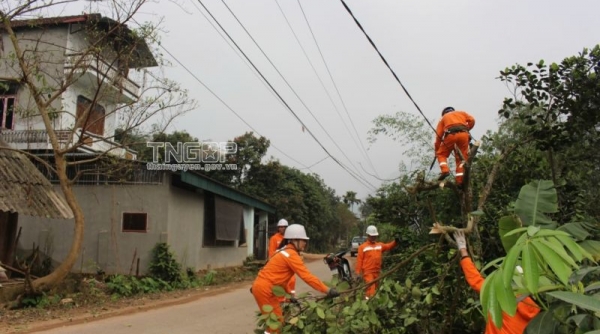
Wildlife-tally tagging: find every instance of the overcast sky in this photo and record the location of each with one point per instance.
(445, 53)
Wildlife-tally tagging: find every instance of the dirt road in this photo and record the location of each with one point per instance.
(230, 312)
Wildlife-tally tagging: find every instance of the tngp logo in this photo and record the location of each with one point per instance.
(191, 152)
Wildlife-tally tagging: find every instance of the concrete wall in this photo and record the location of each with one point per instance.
(186, 227)
(186, 221)
(105, 245)
(175, 216)
(51, 58)
(57, 41)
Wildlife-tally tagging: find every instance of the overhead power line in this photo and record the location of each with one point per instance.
(222, 101)
(364, 151)
(358, 146)
(386, 63)
(391, 70)
(353, 174)
(357, 172)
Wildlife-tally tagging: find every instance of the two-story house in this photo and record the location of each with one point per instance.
(206, 223)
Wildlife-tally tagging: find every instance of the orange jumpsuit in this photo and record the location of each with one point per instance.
(274, 243)
(443, 149)
(278, 271)
(368, 262)
(526, 309)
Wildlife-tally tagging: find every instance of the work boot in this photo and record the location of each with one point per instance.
(443, 176)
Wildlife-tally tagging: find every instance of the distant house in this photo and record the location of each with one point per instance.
(205, 223)
(101, 81)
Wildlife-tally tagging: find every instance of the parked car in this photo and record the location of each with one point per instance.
(356, 241)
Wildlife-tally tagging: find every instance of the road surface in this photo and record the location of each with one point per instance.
(231, 312)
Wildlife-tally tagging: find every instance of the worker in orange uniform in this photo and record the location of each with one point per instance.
(274, 244)
(368, 263)
(281, 267)
(527, 309)
(453, 129)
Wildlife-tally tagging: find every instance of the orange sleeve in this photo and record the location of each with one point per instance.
(388, 246)
(359, 260)
(528, 308)
(472, 275)
(439, 134)
(300, 269)
(470, 120)
(272, 245)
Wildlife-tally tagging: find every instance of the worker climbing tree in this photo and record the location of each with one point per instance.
(452, 134)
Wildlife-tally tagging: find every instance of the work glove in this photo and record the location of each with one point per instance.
(461, 241)
(332, 293)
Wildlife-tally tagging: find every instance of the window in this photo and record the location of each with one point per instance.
(8, 96)
(135, 222)
(94, 121)
(223, 222)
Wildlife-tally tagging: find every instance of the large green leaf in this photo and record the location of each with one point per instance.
(509, 264)
(505, 225)
(577, 230)
(578, 252)
(489, 299)
(559, 266)
(530, 268)
(543, 323)
(583, 301)
(506, 296)
(592, 247)
(535, 200)
(559, 248)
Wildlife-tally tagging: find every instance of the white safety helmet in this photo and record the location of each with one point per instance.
(282, 222)
(295, 231)
(372, 230)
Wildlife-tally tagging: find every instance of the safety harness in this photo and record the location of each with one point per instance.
(455, 129)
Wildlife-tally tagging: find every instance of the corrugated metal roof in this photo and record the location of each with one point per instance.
(25, 190)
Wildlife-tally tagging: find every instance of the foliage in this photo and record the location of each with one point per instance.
(555, 108)
(163, 265)
(126, 286)
(554, 266)
(533, 146)
(40, 300)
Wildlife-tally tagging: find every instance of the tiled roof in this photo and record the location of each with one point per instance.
(25, 190)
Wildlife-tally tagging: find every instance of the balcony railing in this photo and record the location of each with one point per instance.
(39, 140)
(104, 73)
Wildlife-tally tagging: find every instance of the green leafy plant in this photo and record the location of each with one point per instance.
(556, 268)
(163, 264)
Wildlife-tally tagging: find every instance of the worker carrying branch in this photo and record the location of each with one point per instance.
(453, 129)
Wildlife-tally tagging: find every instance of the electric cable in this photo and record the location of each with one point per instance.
(336, 88)
(391, 70)
(295, 93)
(365, 182)
(363, 152)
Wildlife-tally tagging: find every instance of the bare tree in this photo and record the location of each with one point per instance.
(73, 82)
